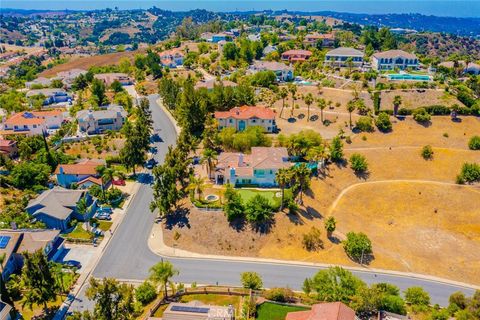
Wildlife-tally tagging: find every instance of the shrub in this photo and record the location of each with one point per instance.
(145, 293)
(474, 143)
(357, 245)
(438, 110)
(421, 115)
(312, 240)
(427, 152)
(233, 206)
(251, 280)
(358, 163)
(336, 149)
(470, 173)
(258, 209)
(364, 124)
(404, 112)
(280, 295)
(416, 296)
(383, 122)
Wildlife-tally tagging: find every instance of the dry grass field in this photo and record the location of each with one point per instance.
(86, 150)
(418, 219)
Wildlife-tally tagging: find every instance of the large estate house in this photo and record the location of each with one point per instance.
(109, 78)
(50, 95)
(258, 168)
(394, 59)
(326, 40)
(33, 122)
(296, 55)
(171, 58)
(242, 117)
(342, 57)
(281, 70)
(94, 122)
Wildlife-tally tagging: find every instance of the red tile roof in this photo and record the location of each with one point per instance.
(7, 143)
(324, 311)
(86, 167)
(246, 112)
(97, 181)
(31, 117)
(297, 52)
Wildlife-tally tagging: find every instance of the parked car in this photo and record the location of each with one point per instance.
(108, 210)
(104, 216)
(72, 264)
(118, 182)
(150, 164)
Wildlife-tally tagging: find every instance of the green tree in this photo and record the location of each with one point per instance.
(330, 226)
(251, 280)
(357, 246)
(308, 101)
(258, 210)
(39, 283)
(98, 92)
(397, 102)
(474, 143)
(336, 149)
(165, 191)
(421, 115)
(383, 122)
(283, 179)
(133, 152)
(427, 152)
(416, 296)
(116, 86)
(301, 176)
(321, 104)
(358, 163)
(283, 94)
(233, 206)
(161, 275)
(197, 185)
(209, 156)
(292, 88)
(145, 293)
(30, 174)
(351, 106)
(335, 284)
(364, 124)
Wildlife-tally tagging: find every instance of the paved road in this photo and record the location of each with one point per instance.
(128, 257)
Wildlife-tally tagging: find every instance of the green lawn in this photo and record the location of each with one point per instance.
(104, 225)
(79, 233)
(248, 194)
(272, 311)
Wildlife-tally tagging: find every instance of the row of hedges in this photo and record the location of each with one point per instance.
(439, 110)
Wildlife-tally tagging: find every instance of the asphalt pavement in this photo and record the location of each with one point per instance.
(128, 257)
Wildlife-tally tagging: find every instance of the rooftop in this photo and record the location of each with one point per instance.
(395, 54)
(297, 52)
(271, 65)
(85, 167)
(209, 84)
(246, 112)
(344, 51)
(57, 202)
(31, 117)
(46, 92)
(324, 311)
(111, 112)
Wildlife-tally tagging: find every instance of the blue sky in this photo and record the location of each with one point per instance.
(459, 8)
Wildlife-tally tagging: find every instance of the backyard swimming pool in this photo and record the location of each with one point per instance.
(411, 77)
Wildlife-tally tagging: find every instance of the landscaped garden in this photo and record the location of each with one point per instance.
(273, 311)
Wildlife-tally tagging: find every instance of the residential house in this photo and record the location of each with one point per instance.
(281, 70)
(296, 55)
(33, 122)
(222, 36)
(109, 78)
(68, 77)
(394, 59)
(51, 95)
(342, 57)
(13, 243)
(172, 58)
(324, 311)
(8, 147)
(210, 84)
(326, 40)
(95, 122)
(246, 116)
(207, 36)
(58, 206)
(68, 174)
(471, 68)
(195, 310)
(39, 82)
(258, 168)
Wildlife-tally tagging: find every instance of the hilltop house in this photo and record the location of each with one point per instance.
(33, 122)
(258, 168)
(281, 70)
(109, 78)
(296, 55)
(324, 311)
(326, 40)
(51, 95)
(13, 243)
(342, 56)
(56, 207)
(95, 122)
(242, 117)
(171, 58)
(394, 59)
(78, 173)
(210, 84)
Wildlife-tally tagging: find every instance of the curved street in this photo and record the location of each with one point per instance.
(128, 257)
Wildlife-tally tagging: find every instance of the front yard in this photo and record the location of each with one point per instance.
(273, 311)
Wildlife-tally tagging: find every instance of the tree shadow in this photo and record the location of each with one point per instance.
(310, 213)
(367, 259)
(342, 163)
(178, 218)
(294, 218)
(238, 224)
(263, 227)
(425, 124)
(363, 175)
(334, 239)
(457, 120)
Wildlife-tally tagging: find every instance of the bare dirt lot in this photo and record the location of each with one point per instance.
(418, 219)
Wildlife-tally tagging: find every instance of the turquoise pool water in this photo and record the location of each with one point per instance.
(406, 76)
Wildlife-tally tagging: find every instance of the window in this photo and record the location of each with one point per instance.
(34, 125)
(231, 121)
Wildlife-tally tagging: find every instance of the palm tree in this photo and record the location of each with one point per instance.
(197, 185)
(209, 156)
(330, 226)
(308, 101)
(302, 175)
(351, 106)
(317, 154)
(283, 94)
(292, 88)
(283, 178)
(397, 101)
(161, 273)
(322, 105)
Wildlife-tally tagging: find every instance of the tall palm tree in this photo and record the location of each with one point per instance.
(308, 101)
(197, 185)
(322, 105)
(397, 101)
(209, 156)
(351, 106)
(302, 175)
(283, 94)
(161, 274)
(292, 88)
(283, 178)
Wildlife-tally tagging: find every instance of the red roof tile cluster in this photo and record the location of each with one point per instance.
(7, 143)
(87, 167)
(246, 112)
(324, 311)
(31, 117)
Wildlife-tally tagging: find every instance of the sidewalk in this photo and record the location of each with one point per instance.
(157, 245)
